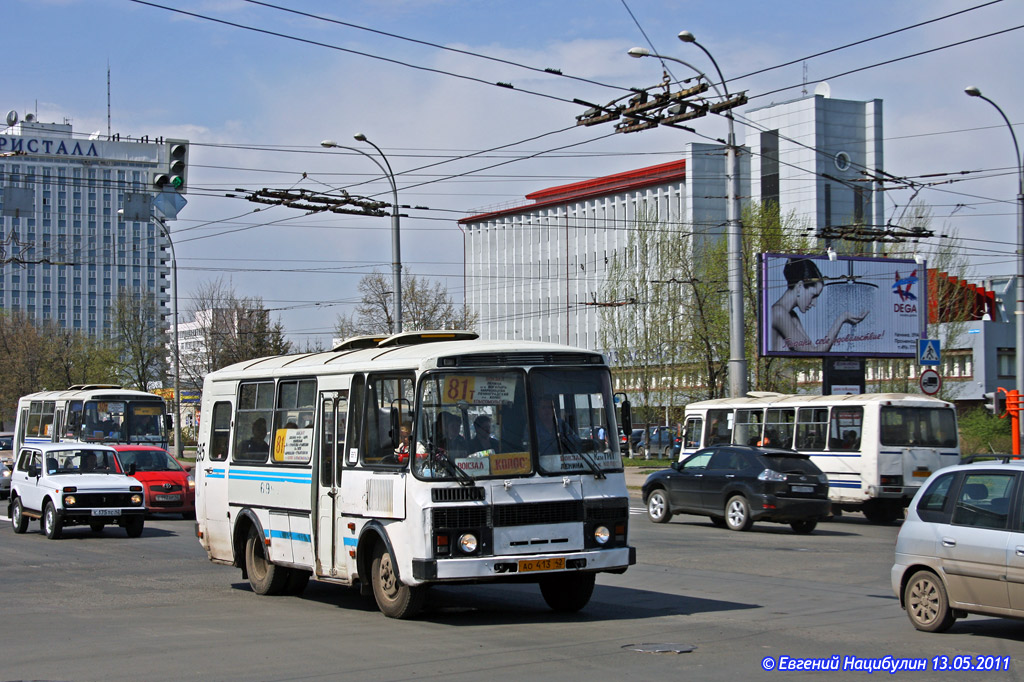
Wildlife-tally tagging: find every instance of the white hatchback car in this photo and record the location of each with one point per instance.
(961, 548)
(64, 484)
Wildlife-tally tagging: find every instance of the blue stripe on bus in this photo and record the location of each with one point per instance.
(288, 535)
(843, 484)
(275, 476)
(351, 542)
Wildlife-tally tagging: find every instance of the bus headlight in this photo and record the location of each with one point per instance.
(136, 499)
(467, 543)
(69, 501)
(602, 535)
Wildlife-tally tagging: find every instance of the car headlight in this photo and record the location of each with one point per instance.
(191, 482)
(602, 534)
(69, 500)
(7, 473)
(467, 543)
(136, 499)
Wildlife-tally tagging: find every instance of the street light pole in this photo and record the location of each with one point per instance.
(734, 239)
(179, 450)
(1019, 312)
(396, 251)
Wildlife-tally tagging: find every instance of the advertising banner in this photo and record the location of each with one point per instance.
(812, 306)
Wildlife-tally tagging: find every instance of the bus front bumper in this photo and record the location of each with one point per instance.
(523, 566)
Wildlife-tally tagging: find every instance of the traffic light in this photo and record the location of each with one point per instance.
(175, 177)
(995, 403)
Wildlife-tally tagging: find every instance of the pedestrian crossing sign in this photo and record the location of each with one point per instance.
(928, 352)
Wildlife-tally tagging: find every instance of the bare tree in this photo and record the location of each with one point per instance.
(425, 305)
(140, 340)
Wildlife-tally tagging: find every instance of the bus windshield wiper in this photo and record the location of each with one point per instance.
(463, 478)
(598, 472)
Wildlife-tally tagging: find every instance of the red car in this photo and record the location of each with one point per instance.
(170, 487)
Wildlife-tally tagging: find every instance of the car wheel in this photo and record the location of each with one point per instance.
(658, 509)
(134, 526)
(52, 525)
(567, 592)
(264, 576)
(394, 599)
(18, 518)
(718, 522)
(927, 604)
(804, 526)
(737, 513)
(96, 526)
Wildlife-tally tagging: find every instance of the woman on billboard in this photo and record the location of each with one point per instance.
(804, 286)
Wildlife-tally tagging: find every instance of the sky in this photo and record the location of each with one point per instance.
(255, 88)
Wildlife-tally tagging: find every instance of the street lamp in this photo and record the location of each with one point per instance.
(178, 449)
(1019, 313)
(396, 257)
(734, 240)
(177, 358)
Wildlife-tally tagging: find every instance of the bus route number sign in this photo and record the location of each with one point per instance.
(478, 390)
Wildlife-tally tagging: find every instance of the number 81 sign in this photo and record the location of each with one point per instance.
(478, 390)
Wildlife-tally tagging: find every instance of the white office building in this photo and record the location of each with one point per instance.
(64, 253)
(536, 271)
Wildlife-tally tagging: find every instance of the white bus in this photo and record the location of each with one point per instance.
(876, 448)
(422, 458)
(94, 413)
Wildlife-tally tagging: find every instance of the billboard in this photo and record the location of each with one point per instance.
(812, 306)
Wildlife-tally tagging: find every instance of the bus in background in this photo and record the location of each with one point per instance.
(417, 459)
(94, 413)
(877, 448)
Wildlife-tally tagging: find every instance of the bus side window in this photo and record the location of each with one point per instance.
(220, 431)
(694, 426)
(379, 443)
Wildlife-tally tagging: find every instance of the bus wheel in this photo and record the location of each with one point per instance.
(567, 592)
(394, 599)
(264, 577)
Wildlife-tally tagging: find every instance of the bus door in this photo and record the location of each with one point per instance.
(212, 480)
(331, 536)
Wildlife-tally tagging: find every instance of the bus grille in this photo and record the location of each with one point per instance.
(537, 513)
(612, 510)
(461, 517)
(460, 494)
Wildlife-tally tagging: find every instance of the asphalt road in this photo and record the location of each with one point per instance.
(106, 607)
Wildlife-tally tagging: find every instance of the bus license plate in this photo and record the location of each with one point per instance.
(527, 565)
(106, 512)
(803, 488)
(921, 474)
(167, 498)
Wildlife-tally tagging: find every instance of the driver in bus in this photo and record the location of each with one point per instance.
(452, 441)
(482, 438)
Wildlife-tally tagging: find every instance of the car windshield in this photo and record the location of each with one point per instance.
(80, 461)
(791, 464)
(149, 460)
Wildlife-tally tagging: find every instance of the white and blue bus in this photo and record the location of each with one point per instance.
(418, 459)
(93, 413)
(877, 448)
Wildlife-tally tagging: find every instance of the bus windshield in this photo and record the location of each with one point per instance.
(111, 421)
(480, 424)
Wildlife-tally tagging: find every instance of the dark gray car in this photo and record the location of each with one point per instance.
(736, 485)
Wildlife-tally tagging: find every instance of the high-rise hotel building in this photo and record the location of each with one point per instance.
(64, 251)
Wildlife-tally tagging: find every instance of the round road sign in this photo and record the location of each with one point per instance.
(930, 382)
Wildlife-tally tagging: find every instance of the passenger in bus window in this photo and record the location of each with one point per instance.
(257, 443)
(482, 438)
(804, 286)
(452, 440)
(402, 451)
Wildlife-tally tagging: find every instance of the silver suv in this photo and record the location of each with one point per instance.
(64, 484)
(961, 548)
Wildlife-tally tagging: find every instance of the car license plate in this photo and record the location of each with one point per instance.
(803, 488)
(167, 498)
(556, 564)
(106, 512)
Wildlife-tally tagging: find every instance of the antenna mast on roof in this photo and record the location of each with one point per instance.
(805, 78)
(108, 99)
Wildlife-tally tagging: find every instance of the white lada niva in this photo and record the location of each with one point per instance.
(66, 484)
